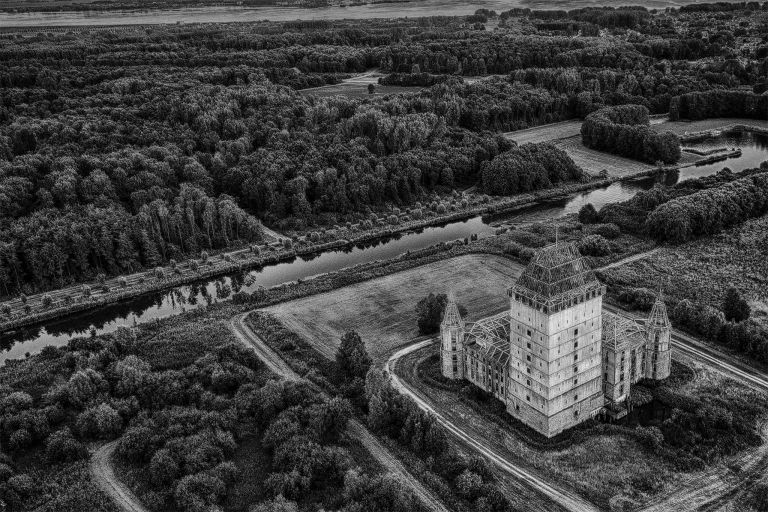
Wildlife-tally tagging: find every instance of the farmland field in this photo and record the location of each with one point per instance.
(382, 311)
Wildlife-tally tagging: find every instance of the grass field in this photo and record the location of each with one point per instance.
(382, 311)
(594, 161)
(357, 90)
(702, 270)
(547, 132)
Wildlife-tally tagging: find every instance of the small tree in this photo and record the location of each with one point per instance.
(85, 290)
(204, 257)
(194, 265)
(6, 310)
(47, 301)
(23, 298)
(159, 273)
(429, 312)
(101, 278)
(371, 88)
(352, 359)
(122, 281)
(588, 214)
(735, 307)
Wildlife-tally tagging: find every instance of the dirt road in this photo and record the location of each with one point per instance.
(566, 499)
(104, 476)
(378, 451)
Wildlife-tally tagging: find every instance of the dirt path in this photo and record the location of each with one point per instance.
(104, 476)
(630, 259)
(466, 433)
(378, 451)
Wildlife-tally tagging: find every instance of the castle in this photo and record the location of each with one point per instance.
(556, 358)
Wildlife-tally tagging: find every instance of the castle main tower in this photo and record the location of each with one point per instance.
(452, 341)
(555, 341)
(658, 356)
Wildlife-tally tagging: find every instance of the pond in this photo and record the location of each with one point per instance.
(171, 302)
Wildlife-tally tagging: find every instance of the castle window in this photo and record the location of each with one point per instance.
(576, 343)
(575, 382)
(575, 357)
(528, 370)
(528, 357)
(575, 332)
(528, 382)
(529, 344)
(529, 331)
(575, 369)
(575, 398)
(528, 397)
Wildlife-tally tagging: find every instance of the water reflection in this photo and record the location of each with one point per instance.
(163, 304)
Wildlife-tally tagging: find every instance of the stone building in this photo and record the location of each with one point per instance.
(556, 358)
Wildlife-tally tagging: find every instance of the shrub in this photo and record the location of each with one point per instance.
(735, 307)
(63, 447)
(594, 245)
(159, 273)
(123, 282)
(625, 130)
(638, 298)
(588, 214)
(204, 257)
(101, 422)
(6, 309)
(47, 300)
(609, 231)
(85, 290)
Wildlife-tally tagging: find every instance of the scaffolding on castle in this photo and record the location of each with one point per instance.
(491, 337)
(451, 316)
(659, 317)
(620, 332)
(556, 278)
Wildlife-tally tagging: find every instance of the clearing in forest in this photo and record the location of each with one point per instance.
(382, 311)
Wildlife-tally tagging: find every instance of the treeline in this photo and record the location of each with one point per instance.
(528, 167)
(709, 211)
(590, 89)
(625, 130)
(632, 215)
(412, 79)
(719, 103)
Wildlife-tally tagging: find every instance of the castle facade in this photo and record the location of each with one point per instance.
(556, 358)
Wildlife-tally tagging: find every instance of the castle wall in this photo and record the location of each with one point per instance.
(555, 364)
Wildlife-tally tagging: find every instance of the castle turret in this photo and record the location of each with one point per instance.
(658, 360)
(452, 341)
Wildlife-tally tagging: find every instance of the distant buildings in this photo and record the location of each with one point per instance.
(556, 358)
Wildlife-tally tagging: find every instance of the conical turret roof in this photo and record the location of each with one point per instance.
(452, 317)
(659, 317)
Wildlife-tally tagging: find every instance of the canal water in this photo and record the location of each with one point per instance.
(171, 302)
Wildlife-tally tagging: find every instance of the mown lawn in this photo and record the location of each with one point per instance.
(382, 311)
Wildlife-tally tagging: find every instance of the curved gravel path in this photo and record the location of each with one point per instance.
(104, 476)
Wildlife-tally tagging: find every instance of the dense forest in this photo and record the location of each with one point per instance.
(124, 149)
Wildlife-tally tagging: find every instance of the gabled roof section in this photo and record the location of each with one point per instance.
(451, 316)
(556, 272)
(620, 332)
(659, 317)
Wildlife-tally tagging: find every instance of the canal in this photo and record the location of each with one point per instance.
(183, 298)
